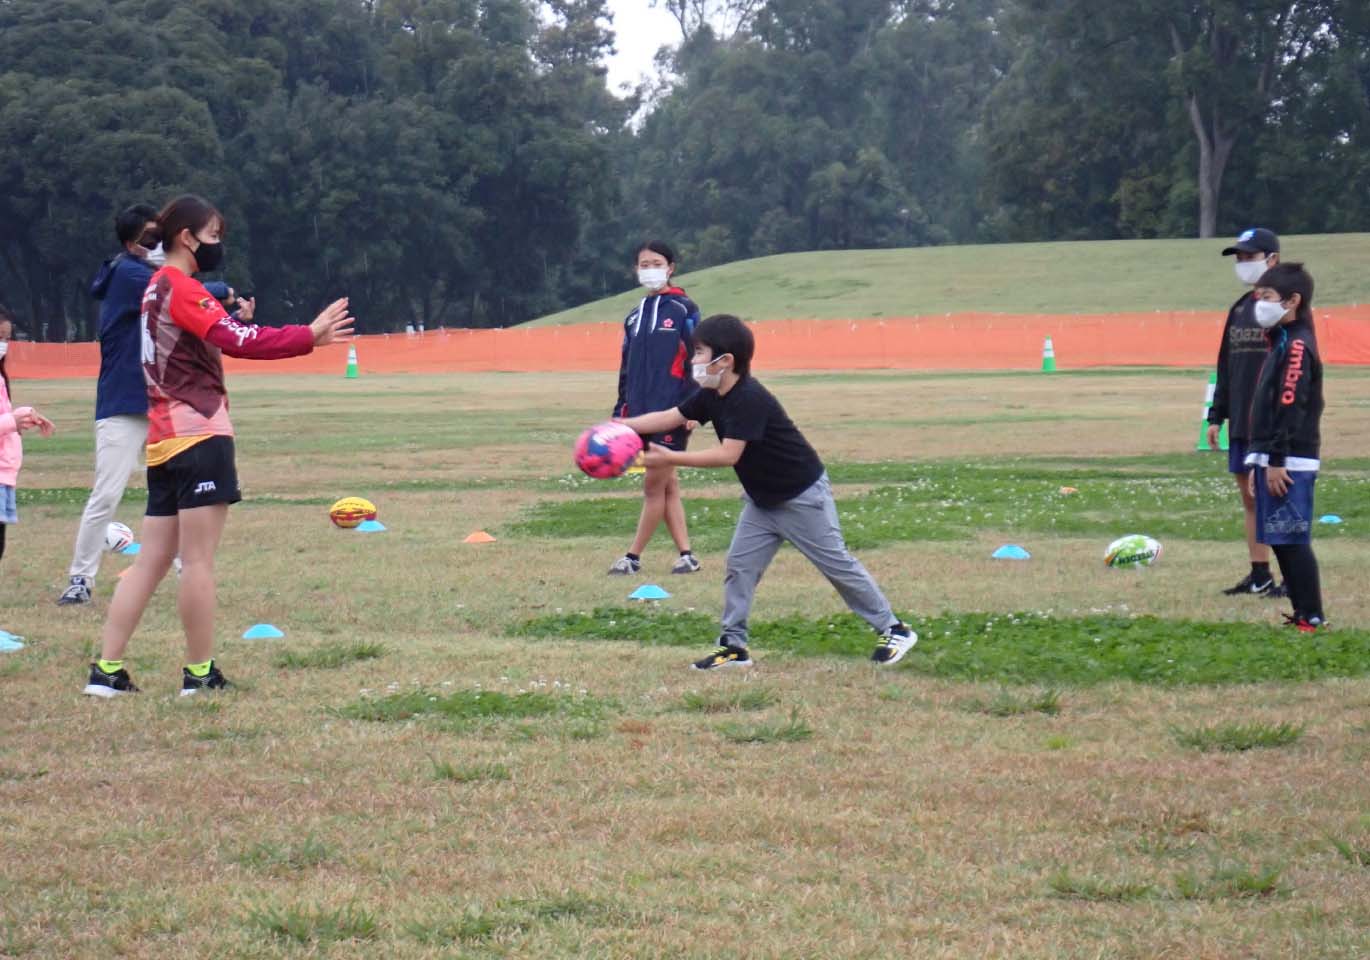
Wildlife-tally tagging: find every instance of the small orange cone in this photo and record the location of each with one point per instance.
(480, 536)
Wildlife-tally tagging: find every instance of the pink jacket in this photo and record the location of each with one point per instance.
(11, 446)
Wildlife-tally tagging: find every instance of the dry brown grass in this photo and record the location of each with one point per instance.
(906, 826)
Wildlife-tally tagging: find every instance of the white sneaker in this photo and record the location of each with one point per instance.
(77, 591)
(894, 643)
(624, 566)
(686, 563)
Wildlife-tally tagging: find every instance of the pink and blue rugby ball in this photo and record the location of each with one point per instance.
(607, 450)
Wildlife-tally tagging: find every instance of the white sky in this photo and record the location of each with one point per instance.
(639, 30)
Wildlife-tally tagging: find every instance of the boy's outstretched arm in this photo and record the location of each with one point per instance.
(724, 455)
(658, 422)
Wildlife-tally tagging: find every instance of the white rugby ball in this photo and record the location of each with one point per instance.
(117, 537)
(1133, 550)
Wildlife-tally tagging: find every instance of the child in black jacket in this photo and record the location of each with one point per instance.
(1286, 411)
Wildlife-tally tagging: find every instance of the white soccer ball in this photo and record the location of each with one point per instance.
(117, 537)
(1133, 550)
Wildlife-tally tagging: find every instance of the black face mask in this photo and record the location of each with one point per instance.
(208, 256)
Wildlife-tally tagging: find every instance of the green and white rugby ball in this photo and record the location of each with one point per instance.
(1133, 550)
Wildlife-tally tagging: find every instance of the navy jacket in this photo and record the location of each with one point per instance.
(1286, 409)
(658, 341)
(119, 285)
(1239, 364)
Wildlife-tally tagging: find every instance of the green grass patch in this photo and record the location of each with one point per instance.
(224, 734)
(315, 925)
(1009, 704)
(470, 772)
(330, 656)
(1230, 881)
(792, 730)
(1354, 853)
(309, 852)
(728, 701)
(1189, 499)
(1088, 277)
(1064, 884)
(476, 924)
(1236, 737)
(1016, 648)
(465, 708)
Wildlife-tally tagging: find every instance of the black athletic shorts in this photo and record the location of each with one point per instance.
(199, 477)
(678, 439)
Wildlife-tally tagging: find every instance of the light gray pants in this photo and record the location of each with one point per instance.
(809, 521)
(119, 442)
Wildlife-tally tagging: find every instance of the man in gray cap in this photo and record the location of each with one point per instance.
(1240, 357)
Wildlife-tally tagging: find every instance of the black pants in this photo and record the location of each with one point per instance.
(3, 527)
(1300, 569)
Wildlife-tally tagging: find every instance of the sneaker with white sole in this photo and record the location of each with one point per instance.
(894, 643)
(625, 566)
(686, 564)
(723, 658)
(191, 684)
(108, 685)
(77, 591)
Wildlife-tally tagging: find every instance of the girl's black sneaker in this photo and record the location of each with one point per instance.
(191, 684)
(108, 685)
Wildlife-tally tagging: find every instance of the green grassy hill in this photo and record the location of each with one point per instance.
(1082, 277)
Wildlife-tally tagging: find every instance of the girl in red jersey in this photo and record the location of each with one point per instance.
(191, 474)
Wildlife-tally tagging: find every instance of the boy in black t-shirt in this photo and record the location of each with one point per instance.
(786, 491)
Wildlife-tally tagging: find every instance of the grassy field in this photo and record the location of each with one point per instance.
(1084, 277)
(488, 751)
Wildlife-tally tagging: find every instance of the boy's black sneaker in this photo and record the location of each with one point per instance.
(108, 685)
(191, 684)
(1251, 584)
(1278, 592)
(723, 658)
(686, 563)
(894, 643)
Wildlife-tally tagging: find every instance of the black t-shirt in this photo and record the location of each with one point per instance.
(778, 463)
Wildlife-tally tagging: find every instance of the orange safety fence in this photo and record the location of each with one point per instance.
(961, 341)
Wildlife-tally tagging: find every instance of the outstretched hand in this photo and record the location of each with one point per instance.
(333, 324)
(656, 456)
(26, 418)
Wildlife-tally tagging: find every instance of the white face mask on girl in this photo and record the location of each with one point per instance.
(707, 380)
(1269, 313)
(653, 278)
(156, 256)
(1249, 271)
(4, 348)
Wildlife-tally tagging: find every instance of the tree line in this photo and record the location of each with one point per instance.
(462, 163)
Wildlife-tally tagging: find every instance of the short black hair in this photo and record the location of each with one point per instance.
(6, 316)
(129, 225)
(1287, 279)
(656, 246)
(724, 333)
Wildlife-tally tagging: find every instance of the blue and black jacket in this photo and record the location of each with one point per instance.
(119, 285)
(658, 342)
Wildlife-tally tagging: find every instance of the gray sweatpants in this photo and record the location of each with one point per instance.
(809, 521)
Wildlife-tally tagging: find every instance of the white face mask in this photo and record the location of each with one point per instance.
(1269, 313)
(653, 278)
(4, 348)
(704, 378)
(1249, 271)
(156, 256)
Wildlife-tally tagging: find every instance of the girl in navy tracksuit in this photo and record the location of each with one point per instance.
(654, 374)
(1283, 447)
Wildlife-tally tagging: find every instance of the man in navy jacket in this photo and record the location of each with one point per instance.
(121, 394)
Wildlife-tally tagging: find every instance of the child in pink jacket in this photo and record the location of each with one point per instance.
(12, 423)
